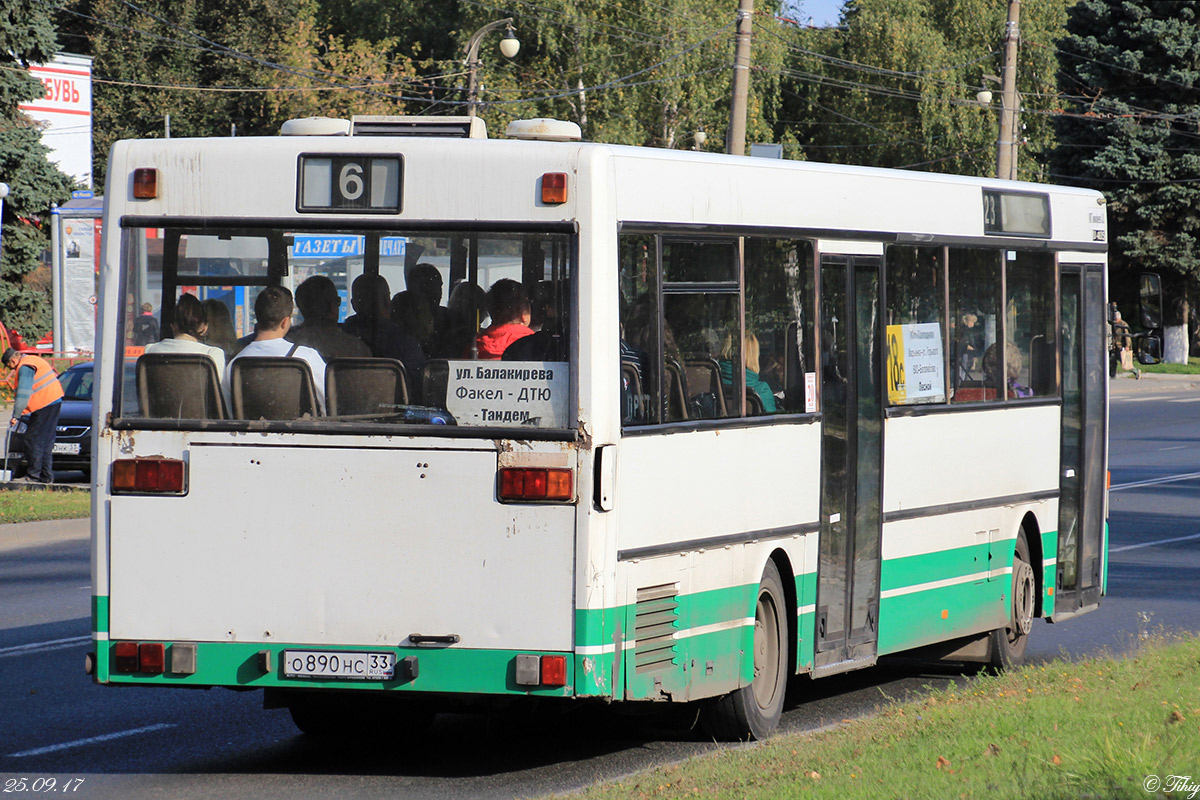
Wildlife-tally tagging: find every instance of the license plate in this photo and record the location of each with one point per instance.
(66, 448)
(333, 664)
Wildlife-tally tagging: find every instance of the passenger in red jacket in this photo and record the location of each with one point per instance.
(508, 306)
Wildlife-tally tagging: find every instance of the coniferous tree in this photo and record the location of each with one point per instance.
(26, 37)
(1132, 130)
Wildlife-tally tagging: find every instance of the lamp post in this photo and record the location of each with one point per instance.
(3, 194)
(509, 46)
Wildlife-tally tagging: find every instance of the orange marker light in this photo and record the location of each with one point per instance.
(145, 183)
(945, 614)
(554, 188)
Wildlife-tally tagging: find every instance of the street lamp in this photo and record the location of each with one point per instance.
(3, 194)
(509, 46)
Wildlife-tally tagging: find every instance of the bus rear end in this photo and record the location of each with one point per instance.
(398, 519)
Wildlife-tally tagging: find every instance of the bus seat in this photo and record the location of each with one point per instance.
(675, 388)
(365, 387)
(435, 376)
(754, 404)
(272, 387)
(977, 393)
(707, 400)
(179, 386)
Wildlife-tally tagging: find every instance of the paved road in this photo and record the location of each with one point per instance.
(135, 743)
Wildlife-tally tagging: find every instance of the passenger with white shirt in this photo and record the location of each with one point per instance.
(273, 320)
(190, 325)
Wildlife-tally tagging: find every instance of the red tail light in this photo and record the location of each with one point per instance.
(148, 476)
(554, 671)
(125, 656)
(151, 657)
(536, 483)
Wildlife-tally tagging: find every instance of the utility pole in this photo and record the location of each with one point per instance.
(735, 143)
(1006, 141)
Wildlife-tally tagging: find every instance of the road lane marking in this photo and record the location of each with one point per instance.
(1139, 399)
(54, 748)
(1161, 450)
(1186, 400)
(41, 647)
(1153, 544)
(1153, 481)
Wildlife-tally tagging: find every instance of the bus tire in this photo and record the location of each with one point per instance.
(1008, 643)
(753, 711)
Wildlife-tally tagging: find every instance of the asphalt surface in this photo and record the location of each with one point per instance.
(135, 743)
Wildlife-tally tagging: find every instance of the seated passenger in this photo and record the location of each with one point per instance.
(372, 322)
(465, 315)
(273, 320)
(509, 308)
(318, 301)
(1012, 363)
(220, 327)
(753, 382)
(191, 325)
(551, 340)
(411, 312)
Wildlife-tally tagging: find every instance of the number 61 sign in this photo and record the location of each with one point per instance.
(362, 184)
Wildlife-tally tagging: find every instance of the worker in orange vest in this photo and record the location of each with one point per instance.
(39, 394)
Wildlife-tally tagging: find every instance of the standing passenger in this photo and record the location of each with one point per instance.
(509, 308)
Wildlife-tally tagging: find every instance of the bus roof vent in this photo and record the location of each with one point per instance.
(451, 127)
(544, 130)
(316, 126)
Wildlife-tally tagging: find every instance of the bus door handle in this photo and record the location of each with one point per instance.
(434, 640)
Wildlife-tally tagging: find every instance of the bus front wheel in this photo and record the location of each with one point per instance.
(753, 711)
(1008, 643)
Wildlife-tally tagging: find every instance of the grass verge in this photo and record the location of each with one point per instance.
(34, 505)
(1096, 728)
(1190, 368)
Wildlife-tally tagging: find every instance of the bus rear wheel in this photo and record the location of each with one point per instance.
(753, 711)
(1008, 643)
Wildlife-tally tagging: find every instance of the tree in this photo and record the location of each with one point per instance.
(895, 84)
(1131, 77)
(220, 67)
(26, 37)
(630, 74)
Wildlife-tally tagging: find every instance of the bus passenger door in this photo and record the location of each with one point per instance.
(1084, 424)
(851, 404)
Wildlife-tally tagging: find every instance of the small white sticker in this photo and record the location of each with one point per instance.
(835, 518)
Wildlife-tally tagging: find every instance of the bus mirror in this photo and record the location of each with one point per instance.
(1151, 301)
(1149, 349)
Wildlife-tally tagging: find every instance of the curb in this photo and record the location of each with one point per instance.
(23, 535)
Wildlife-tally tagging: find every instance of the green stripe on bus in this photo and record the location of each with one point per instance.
(1049, 571)
(919, 618)
(440, 670)
(898, 573)
(99, 613)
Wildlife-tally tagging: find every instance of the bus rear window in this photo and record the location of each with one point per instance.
(462, 329)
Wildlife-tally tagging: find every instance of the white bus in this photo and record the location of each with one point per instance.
(776, 418)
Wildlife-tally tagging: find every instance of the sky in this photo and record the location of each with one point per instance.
(823, 12)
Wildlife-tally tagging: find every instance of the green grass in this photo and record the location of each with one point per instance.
(1190, 368)
(1091, 729)
(33, 505)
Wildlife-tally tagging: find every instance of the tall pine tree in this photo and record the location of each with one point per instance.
(26, 37)
(1132, 130)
